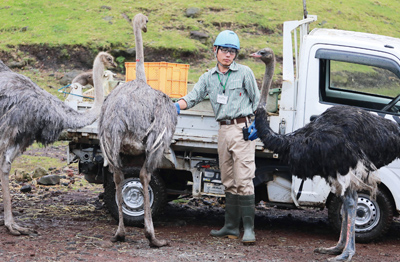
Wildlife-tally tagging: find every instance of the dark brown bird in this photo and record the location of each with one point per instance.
(344, 145)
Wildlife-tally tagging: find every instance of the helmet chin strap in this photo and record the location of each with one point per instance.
(226, 66)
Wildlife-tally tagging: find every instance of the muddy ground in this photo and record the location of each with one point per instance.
(73, 224)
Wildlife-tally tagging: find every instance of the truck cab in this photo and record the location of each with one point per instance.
(335, 67)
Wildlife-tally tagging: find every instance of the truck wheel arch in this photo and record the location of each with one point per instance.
(377, 218)
(132, 208)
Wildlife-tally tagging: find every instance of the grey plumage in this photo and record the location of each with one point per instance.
(136, 120)
(29, 113)
(132, 118)
(3, 67)
(85, 78)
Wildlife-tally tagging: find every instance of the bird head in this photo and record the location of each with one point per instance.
(141, 20)
(265, 54)
(108, 60)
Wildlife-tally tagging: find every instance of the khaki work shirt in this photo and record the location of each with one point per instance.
(240, 88)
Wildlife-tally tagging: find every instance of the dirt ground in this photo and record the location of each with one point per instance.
(72, 224)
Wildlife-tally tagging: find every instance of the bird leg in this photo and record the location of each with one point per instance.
(120, 234)
(9, 222)
(351, 199)
(338, 249)
(145, 178)
(345, 249)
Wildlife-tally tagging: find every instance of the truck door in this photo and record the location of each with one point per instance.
(363, 78)
(352, 76)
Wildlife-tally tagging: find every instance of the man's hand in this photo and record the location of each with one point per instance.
(178, 108)
(253, 131)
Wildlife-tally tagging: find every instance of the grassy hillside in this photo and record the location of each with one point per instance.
(103, 25)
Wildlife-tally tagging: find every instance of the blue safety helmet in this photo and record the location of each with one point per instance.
(227, 38)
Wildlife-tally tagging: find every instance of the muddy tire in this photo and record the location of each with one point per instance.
(374, 217)
(133, 199)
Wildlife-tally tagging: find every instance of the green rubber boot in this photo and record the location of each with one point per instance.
(248, 209)
(232, 218)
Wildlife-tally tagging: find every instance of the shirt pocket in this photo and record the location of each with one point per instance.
(236, 88)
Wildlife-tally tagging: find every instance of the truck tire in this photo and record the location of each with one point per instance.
(374, 217)
(133, 199)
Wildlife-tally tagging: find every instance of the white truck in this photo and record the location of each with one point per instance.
(321, 68)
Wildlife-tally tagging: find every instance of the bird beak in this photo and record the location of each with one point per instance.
(255, 55)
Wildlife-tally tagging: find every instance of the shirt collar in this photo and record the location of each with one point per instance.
(232, 67)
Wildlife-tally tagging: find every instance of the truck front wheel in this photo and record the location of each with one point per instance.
(133, 199)
(373, 219)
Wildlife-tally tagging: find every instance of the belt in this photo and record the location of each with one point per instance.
(232, 121)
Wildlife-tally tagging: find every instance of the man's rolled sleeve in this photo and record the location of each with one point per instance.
(198, 93)
(252, 89)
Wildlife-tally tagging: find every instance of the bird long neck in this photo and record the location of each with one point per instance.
(84, 119)
(98, 71)
(271, 140)
(140, 72)
(266, 84)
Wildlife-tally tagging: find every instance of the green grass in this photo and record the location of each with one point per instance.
(73, 23)
(49, 83)
(181, 201)
(100, 24)
(31, 162)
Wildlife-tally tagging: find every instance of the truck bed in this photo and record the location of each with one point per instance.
(196, 128)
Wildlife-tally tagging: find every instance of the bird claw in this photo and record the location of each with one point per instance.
(118, 238)
(342, 256)
(329, 251)
(158, 243)
(17, 230)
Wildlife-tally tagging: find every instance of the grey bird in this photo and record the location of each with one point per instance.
(29, 113)
(137, 120)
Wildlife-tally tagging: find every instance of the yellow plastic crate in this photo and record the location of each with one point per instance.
(170, 78)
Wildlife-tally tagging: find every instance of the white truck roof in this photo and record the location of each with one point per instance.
(338, 37)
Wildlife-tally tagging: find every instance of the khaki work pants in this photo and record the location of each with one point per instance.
(236, 160)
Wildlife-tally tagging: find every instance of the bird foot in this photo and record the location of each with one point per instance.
(118, 238)
(346, 256)
(158, 243)
(17, 230)
(330, 251)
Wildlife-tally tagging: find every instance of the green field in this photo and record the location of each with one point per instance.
(102, 25)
